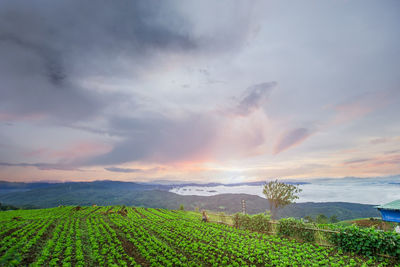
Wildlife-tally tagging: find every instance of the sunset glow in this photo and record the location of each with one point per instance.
(201, 91)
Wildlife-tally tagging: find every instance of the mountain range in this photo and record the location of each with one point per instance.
(45, 195)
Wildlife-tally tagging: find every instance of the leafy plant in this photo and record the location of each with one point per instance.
(368, 241)
(157, 237)
(296, 228)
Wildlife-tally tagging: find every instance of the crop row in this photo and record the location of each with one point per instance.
(217, 247)
(120, 236)
(17, 245)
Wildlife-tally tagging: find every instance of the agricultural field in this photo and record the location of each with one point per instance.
(133, 236)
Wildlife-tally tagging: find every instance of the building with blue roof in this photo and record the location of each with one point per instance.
(391, 211)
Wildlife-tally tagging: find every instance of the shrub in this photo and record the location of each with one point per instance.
(367, 241)
(258, 223)
(296, 228)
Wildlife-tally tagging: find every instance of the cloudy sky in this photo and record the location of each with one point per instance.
(223, 91)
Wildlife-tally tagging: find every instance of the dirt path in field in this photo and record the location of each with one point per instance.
(34, 252)
(128, 247)
(9, 232)
(87, 252)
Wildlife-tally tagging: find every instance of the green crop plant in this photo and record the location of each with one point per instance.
(98, 236)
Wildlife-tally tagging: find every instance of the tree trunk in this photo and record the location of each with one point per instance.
(272, 209)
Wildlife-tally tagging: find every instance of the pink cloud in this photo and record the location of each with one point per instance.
(36, 152)
(387, 160)
(356, 161)
(379, 141)
(292, 138)
(71, 153)
(81, 150)
(360, 106)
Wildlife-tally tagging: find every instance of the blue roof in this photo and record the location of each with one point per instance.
(390, 215)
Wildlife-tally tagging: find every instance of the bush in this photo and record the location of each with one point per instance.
(257, 223)
(296, 228)
(368, 241)
(321, 219)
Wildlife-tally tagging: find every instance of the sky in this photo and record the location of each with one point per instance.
(204, 91)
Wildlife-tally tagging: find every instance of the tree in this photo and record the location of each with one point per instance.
(308, 219)
(279, 195)
(181, 207)
(334, 219)
(321, 218)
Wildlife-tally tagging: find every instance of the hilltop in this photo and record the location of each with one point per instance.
(157, 196)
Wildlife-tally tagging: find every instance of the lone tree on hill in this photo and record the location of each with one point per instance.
(279, 195)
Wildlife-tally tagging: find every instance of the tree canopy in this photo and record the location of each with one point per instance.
(280, 194)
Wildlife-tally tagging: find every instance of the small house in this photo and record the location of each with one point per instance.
(391, 211)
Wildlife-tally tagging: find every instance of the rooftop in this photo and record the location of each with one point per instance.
(394, 205)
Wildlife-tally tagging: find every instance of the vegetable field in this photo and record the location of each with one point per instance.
(132, 236)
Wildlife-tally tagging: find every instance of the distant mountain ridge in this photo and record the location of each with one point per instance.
(157, 196)
(7, 187)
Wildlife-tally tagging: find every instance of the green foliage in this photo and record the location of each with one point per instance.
(103, 236)
(181, 207)
(321, 219)
(258, 222)
(333, 219)
(280, 194)
(7, 207)
(308, 219)
(368, 241)
(297, 229)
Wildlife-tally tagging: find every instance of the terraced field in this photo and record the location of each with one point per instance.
(116, 236)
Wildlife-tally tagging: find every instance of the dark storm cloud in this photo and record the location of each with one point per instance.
(52, 51)
(52, 63)
(47, 46)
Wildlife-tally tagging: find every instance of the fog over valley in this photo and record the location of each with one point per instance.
(355, 190)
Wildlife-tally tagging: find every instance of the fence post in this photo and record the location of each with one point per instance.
(244, 207)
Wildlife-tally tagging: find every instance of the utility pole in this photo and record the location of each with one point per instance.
(243, 206)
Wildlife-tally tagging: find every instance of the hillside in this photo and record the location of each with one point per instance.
(156, 196)
(133, 236)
